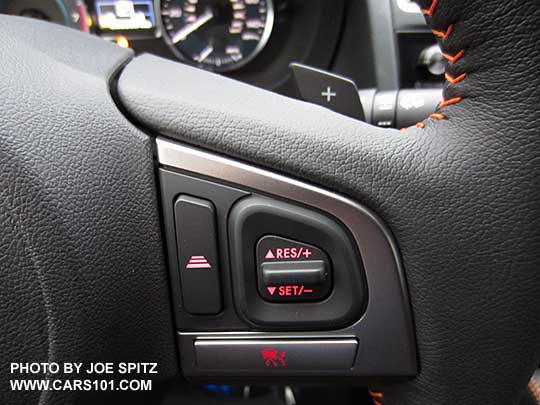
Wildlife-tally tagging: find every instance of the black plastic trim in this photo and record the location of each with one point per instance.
(254, 217)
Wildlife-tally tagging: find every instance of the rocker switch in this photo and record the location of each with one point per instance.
(292, 271)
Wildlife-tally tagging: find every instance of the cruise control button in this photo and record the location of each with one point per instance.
(309, 271)
(292, 271)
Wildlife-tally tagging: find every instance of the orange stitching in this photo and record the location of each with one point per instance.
(431, 8)
(376, 394)
(454, 58)
(442, 34)
(535, 391)
(435, 116)
(454, 80)
(446, 103)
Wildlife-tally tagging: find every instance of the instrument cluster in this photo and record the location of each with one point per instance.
(250, 40)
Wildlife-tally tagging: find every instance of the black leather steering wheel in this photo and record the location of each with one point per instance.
(81, 250)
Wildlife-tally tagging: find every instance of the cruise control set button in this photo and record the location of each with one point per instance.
(292, 271)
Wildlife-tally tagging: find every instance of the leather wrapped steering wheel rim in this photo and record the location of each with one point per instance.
(81, 246)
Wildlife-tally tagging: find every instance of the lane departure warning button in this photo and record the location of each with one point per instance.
(292, 271)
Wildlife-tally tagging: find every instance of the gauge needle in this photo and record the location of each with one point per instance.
(195, 25)
(204, 53)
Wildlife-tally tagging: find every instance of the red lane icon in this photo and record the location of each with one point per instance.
(273, 357)
(198, 262)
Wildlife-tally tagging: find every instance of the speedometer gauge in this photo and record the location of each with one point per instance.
(219, 35)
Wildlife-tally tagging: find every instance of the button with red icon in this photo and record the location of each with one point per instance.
(275, 356)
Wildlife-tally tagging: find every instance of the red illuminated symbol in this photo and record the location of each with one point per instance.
(291, 290)
(273, 357)
(198, 262)
(289, 253)
(271, 290)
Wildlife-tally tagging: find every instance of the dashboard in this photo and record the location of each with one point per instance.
(380, 45)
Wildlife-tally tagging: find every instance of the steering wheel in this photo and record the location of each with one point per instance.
(81, 245)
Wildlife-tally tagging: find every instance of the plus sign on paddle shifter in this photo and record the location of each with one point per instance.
(328, 94)
(329, 90)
